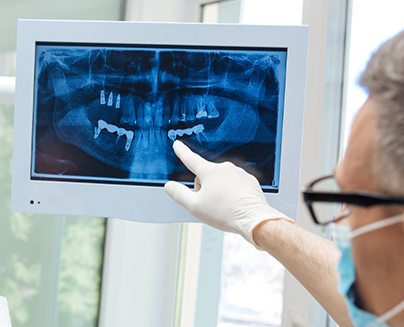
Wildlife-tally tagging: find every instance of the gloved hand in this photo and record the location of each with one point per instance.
(225, 197)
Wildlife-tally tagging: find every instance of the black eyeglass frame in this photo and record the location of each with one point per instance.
(361, 199)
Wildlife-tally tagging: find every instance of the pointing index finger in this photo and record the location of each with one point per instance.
(194, 162)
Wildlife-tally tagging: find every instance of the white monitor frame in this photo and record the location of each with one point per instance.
(136, 202)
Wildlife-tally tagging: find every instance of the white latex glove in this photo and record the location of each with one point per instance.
(225, 197)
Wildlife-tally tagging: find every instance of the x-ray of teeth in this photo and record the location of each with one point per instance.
(111, 114)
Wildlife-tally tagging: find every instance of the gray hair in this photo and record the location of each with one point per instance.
(384, 80)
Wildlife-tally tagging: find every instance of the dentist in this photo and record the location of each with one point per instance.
(367, 286)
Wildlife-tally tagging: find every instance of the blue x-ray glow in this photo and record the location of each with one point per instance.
(110, 114)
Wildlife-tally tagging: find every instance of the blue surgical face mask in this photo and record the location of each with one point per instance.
(342, 236)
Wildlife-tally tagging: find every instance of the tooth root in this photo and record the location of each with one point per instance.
(97, 132)
(172, 135)
(129, 139)
(139, 140)
(202, 137)
(131, 112)
(167, 111)
(118, 101)
(176, 114)
(198, 137)
(167, 117)
(163, 137)
(183, 112)
(212, 111)
(148, 119)
(191, 112)
(110, 99)
(101, 125)
(132, 116)
(158, 120)
(140, 115)
(200, 134)
(126, 117)
(127, 145)
(152, 136)
(201, 110)
(102, 97)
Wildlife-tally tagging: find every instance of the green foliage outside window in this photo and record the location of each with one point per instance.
(50, 266)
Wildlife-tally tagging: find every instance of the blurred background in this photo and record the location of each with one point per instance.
(89, 272)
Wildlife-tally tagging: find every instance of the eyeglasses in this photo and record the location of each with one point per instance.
(327, 203)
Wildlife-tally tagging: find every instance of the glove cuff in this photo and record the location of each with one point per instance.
(247, 230)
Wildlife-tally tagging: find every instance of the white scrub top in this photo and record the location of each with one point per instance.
(4, 314)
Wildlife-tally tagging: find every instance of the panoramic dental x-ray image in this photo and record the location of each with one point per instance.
(110, 114)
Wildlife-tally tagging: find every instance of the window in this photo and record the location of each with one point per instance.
(371, 25)
(251, 281)
(50, 266)
(221, 12)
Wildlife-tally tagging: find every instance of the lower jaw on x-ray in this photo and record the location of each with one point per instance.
(110, 114)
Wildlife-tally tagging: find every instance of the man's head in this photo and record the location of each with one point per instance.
(374, 162)
(384, 80)
(374, 158)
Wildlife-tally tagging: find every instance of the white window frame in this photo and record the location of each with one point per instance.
(329, 23)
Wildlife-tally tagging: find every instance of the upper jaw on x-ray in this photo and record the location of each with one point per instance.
(125, 107)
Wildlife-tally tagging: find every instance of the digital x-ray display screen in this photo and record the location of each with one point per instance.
(110, 113)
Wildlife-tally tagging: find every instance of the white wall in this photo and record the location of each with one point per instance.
(299, 307)
(12, 10)
(140, 274)
(162, 10)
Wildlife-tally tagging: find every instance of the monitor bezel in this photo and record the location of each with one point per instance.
(123, 201)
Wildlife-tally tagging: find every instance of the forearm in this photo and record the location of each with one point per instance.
(310, 258)
(227, 198)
